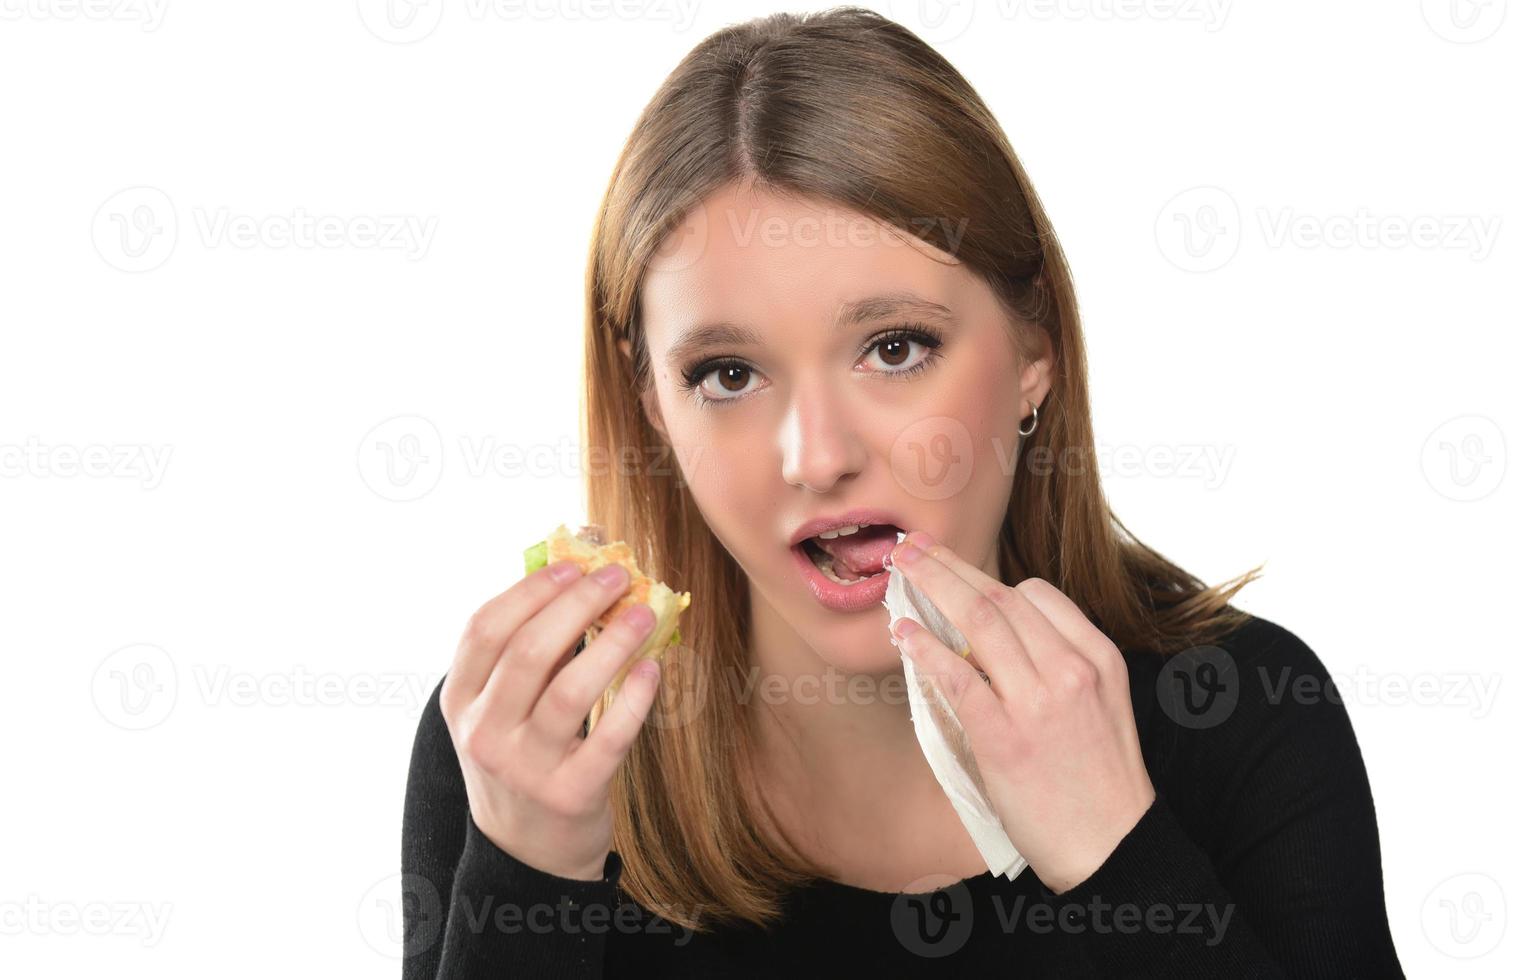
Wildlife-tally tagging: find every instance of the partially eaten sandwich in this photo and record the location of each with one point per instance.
(589, 549)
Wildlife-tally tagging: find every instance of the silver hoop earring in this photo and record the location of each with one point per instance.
(1029, 430)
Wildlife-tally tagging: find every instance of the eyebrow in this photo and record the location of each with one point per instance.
(729, 334)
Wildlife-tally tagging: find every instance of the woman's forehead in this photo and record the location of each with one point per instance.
(751, 256)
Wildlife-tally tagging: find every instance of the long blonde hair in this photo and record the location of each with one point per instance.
(849, 107)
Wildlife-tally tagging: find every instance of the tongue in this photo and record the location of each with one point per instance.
(863, 552)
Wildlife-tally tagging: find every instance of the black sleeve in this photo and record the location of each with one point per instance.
(1290, 883)
(474, 910)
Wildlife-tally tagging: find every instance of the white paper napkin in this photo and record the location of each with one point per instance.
(940, 734)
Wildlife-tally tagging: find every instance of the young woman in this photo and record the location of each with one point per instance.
(825, 304)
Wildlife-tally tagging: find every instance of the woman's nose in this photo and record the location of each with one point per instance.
(819, 444)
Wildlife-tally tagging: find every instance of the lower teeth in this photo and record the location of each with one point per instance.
(824, 564)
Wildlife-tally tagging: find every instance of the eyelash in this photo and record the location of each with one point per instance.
(928, 337)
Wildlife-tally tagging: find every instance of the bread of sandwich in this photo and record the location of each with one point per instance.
(589, 549)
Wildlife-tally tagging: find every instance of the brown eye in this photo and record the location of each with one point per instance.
(900, 353)
(723, 381)
(895, 352)
(733, 377)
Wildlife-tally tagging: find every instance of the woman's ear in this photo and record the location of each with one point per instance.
(650, 399)
(649, 396)
(1038, 374)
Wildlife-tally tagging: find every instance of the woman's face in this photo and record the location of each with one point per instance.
(843, 366)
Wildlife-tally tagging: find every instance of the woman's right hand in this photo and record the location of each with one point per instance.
(516, 700)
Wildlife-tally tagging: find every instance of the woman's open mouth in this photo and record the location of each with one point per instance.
(845, 569)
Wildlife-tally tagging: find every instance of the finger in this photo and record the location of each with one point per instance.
(1045, 645)
(998, 649)
(596, 759)
(541, 645)
(1066, 617)
(977, 578)
(494, 623)
(560, 713)
(1061, 612)
(978, 708)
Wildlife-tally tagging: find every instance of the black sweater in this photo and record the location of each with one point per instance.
(1259, 858)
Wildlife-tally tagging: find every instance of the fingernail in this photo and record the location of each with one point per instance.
(646, 671)
(563, 571)
(609, 575)
(923, 538)
(905, 553)
(905, 627)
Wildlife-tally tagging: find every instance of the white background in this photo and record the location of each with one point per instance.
(218, 634)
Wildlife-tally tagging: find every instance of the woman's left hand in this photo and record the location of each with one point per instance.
(1053, 731)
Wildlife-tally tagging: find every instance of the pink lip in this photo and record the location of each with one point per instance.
(840, 598)
(860, 515)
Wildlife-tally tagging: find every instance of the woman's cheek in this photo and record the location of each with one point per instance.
(719, 480)
(992, 420)
(726, 479)
(957, 454)
(953, 445)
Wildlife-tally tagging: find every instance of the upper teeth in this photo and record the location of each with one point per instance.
(841, 531)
